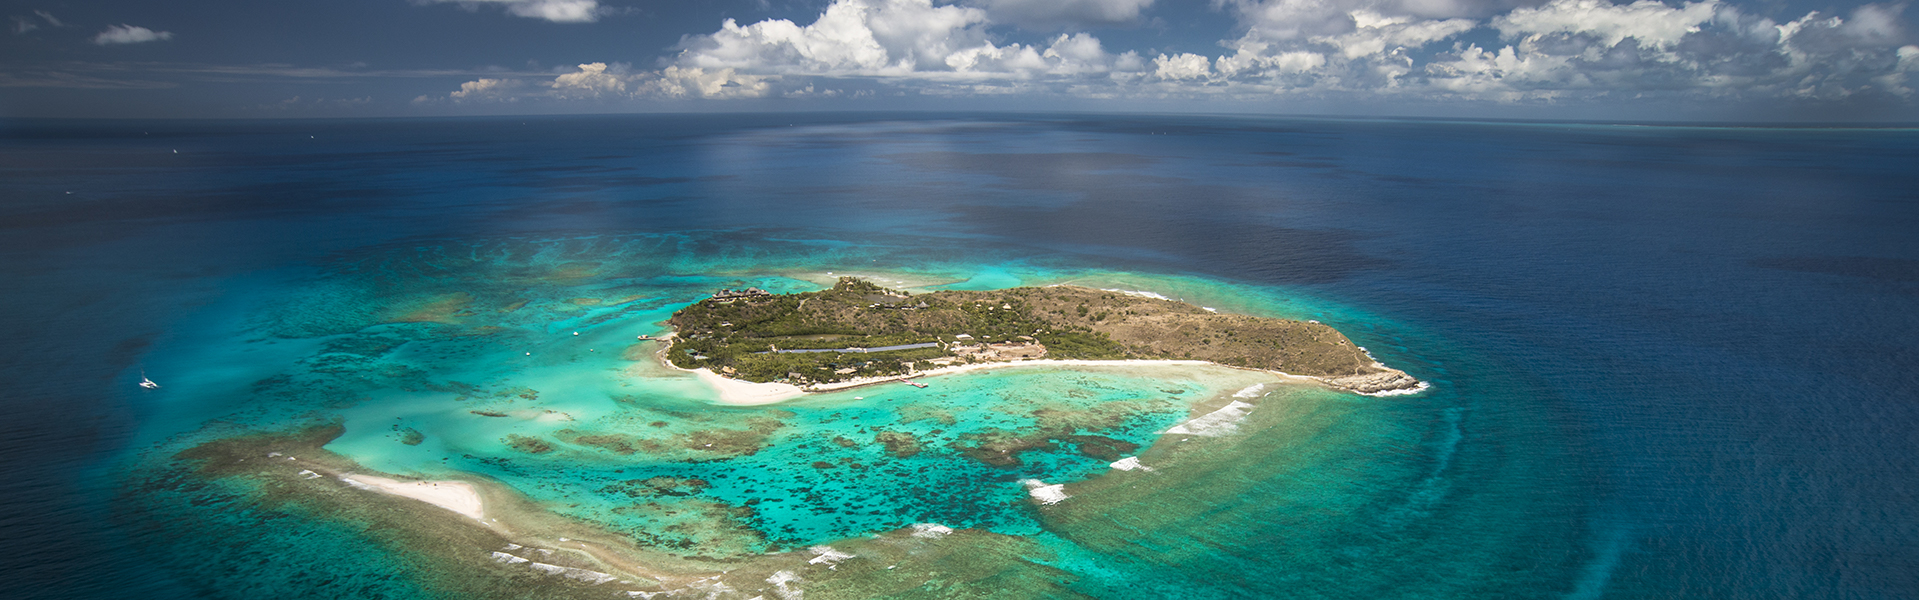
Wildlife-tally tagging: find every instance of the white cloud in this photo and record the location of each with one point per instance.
(895, 38)
(1338, 46)
(1590, 48)
(1055, 14)
(1282, 63)
(851, 37)
(1650, 22)
(1527, 50)
(23, 24)
(1182, 66)
(1374, 33)
(676, 82)
(484, 87)
(601, 81)
(130, 34)
(557, 11)
(592, 81)
(1872, 24)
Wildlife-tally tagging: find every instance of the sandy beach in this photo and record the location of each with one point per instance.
(746, 393)
(456, 496)
(736, 392)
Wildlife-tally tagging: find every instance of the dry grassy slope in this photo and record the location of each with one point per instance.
(1166, 329)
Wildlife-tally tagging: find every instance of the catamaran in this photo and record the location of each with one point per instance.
(148, 383)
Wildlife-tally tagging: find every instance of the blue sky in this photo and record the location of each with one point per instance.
(1582, 59)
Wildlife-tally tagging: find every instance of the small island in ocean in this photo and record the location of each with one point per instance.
(857, 332)
(500, 456)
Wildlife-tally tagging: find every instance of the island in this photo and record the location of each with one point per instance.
(857, 332)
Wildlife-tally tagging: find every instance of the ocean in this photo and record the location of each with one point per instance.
(1666, 361)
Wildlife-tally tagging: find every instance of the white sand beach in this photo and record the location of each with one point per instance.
(456, 496)
(747, 393)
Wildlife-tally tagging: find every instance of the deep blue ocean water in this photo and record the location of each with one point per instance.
(1681, 357)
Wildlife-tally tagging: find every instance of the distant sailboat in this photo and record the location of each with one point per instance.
(147, 383)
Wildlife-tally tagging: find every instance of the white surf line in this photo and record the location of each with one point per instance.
(931, 530)
(1045, 494)
(1423, 386)
(1224, 421)
(576, 574)
(1138, 294)
(784, 585)
(827, 556)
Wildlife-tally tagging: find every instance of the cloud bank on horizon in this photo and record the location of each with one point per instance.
(1473, 50)
(1627, 59)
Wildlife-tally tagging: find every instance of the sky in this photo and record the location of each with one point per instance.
(1708, 60)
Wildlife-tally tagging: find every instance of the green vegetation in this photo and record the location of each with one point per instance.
(741, 336)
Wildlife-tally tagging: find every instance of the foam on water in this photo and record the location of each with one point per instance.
(1223, 421)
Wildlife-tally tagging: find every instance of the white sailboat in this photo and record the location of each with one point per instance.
(147, 383)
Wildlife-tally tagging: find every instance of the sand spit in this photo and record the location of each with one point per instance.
(456, 496)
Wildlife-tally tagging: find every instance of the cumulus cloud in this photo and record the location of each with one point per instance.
(1476, 50)
(601, 81)
(130, 34)
(1182, 66)
(896, 38)
(1590, 47)
(676, 82)
(557, 11)
(484, 87)
(851, 36)
(1555, 49)
(1649, 22)
(1057, 14)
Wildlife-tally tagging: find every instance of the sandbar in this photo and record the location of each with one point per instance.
(456, 496)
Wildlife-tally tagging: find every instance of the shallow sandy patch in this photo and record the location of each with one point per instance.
(456, 496)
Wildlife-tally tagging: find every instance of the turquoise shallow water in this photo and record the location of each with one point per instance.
(522, 367)
(544, 387)
(1667, 362)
